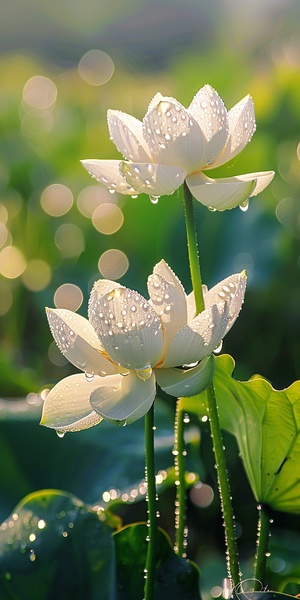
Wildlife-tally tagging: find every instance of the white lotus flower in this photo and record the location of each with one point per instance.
(174, 144)
(130, 343)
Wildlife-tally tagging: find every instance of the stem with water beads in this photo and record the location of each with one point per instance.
(216, 434)
(262, 547)
(179, 461)
(151, 507)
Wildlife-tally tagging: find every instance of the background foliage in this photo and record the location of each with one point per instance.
(175, 48)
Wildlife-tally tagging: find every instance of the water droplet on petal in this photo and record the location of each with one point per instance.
(144, 373)
(89, 376)
(60, 434)
(218, 348)
(212, 209)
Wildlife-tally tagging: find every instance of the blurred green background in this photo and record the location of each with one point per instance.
(62, 65)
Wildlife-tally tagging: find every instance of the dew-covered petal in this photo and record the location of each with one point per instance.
(109, 173)
(221, 194)
(186, 382)
(123, 400)
(209, 111)
(199, 338)
(191, 306)
(168, 299)
(127, 134)
(78, 342)
(173, 135)
(153, 179)
(128, 327)
(242, 126)
(67, 406)
(230, 290)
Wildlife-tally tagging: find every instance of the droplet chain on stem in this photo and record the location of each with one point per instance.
(262, 547)
(179, 461)
(150, 567)
(224, 488)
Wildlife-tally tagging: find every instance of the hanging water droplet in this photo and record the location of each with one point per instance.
(212, 209)
(186, 418)
(89, 376)
(154, 199)
(244, 206)
(218, 349)
(144, 373)
(60, 434)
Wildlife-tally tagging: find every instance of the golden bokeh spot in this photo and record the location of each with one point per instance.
(39, 92)
(96, 67)
(113, 264)
(68, 296)
(91, 197)
(5, 298)
(37, 275)
(3, 234)
(56, 199)
(3, 214)
(12, 262)
(107, 218)
(69, 239)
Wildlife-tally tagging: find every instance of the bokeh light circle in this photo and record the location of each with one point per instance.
(96, 67)
(12, 262)
(56, 199)
(107, 218)
(68, 296)
(39, 92)
(113, 264)
(37, 275)
(56, 357)
(91, 197)
(3, 234)
(69, 239)
(201, 494)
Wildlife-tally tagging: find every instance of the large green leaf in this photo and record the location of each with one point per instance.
(87, 463)
(53, 546)
(176, 578)
(266, 424)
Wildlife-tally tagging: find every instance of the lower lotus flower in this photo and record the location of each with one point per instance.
(129, 344)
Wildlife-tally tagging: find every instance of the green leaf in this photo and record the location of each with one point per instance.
(176, 578)
(266, 424)
(53, 546)
(87, 463)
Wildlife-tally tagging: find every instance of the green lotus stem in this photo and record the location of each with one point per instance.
(216, 434)
(150, 567)
(262, 549)
(193, 252)
(179, 460)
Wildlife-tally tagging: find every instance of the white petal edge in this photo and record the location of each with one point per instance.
(109, 173)
(127, 134)
(124, 400)
(199, 338)
(128, 327)
(186, 382)
(67, 406)
(78, 342)
(221, 194)
(261, 178)
(242, 126)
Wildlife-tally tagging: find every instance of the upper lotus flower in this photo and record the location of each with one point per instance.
(174, 144)
(129, 343)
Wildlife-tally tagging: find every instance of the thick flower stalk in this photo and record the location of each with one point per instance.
(174, 144)
(130, 344)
